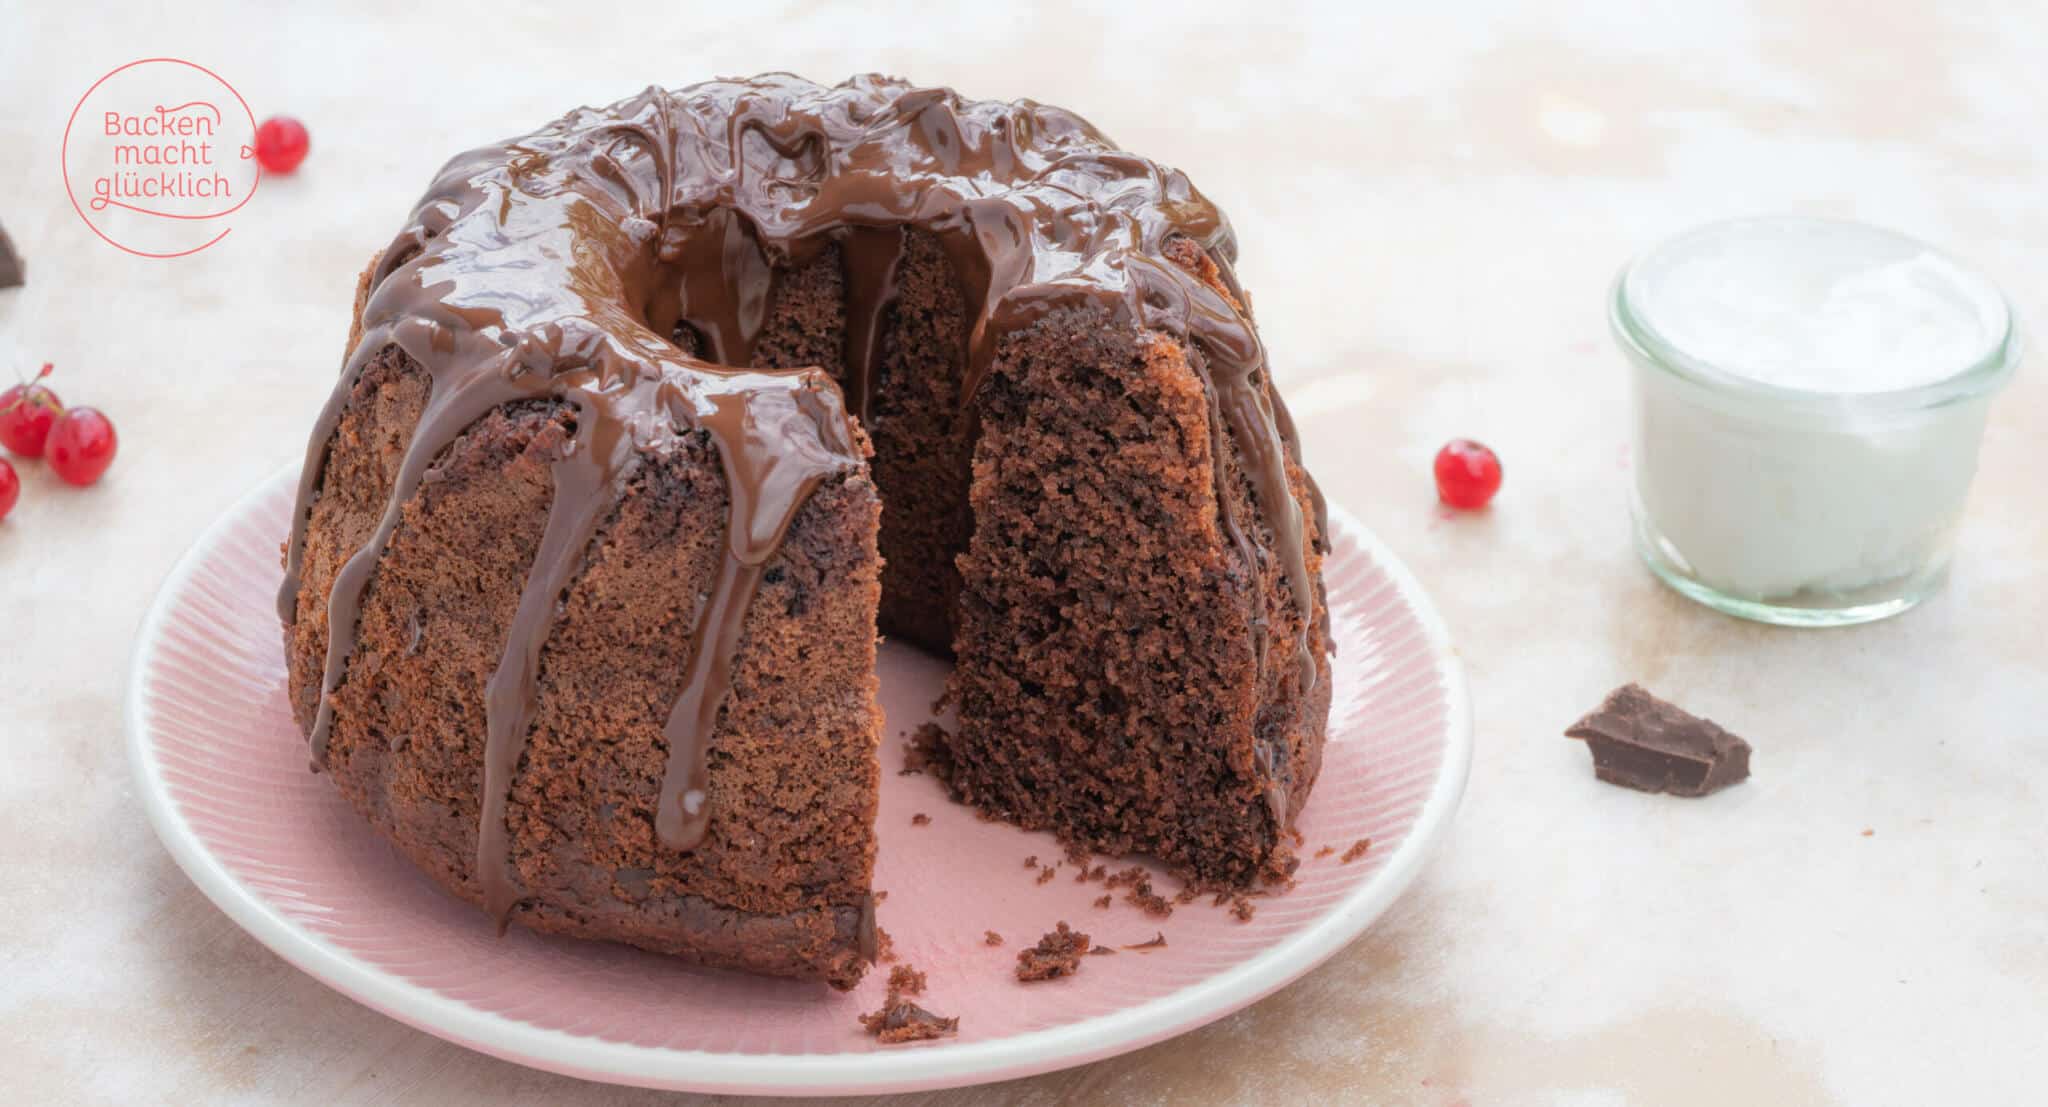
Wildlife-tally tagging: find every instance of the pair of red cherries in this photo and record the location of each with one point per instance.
(78, 442)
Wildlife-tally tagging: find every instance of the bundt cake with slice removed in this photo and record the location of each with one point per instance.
(653, 417)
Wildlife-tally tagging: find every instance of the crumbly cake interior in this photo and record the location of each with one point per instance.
(1091, 692)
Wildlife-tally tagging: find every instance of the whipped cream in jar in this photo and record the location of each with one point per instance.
(1809, 397)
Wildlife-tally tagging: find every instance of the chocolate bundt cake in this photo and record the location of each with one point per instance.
(651, 418)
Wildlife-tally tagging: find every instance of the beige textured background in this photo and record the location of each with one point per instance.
(1431, 206)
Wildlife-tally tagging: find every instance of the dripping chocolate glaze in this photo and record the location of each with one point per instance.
(555, 267)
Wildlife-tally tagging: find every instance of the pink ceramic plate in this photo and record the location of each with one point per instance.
(223, 772)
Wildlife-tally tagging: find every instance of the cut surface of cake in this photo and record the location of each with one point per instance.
(653, 418)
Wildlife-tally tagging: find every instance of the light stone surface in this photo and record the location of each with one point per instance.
(1432, 201)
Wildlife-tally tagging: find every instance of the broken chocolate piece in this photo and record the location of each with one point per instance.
(1641, 742)
(12, 272)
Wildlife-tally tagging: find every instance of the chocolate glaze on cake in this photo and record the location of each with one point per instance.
(625, 262)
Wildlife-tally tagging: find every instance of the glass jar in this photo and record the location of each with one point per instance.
(1808, 396)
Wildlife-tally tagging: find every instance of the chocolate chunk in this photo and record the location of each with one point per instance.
(1641, 742)
(12, 272)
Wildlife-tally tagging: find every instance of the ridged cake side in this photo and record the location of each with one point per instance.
(781, 883)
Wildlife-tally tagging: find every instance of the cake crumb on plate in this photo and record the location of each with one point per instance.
(1057, 954)
(900, 1020)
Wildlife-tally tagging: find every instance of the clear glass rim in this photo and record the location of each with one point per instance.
(1987, 374)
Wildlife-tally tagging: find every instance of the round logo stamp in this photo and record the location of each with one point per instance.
(158, 157)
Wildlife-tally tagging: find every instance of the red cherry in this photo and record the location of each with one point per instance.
(26, 413)
(1467, 474)
(81, 446)
(281, 143)
(10, 487)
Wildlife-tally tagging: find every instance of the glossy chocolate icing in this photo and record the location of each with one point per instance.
(558, 266)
